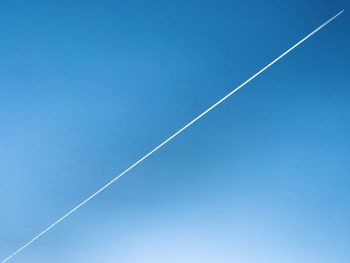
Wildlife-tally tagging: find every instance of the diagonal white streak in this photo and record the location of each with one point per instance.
(172, 137)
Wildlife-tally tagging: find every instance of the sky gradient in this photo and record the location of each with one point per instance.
(88, 87)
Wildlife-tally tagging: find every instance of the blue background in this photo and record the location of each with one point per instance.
(88, 87)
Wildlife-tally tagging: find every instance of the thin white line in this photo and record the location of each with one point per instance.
(172, 137)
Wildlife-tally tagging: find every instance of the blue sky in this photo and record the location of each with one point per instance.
(88, 87)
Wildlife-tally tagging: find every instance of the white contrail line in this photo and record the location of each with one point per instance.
(172, 136)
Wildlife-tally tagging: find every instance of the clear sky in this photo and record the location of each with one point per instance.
(88, 87)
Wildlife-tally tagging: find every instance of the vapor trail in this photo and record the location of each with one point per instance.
(171, 137)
